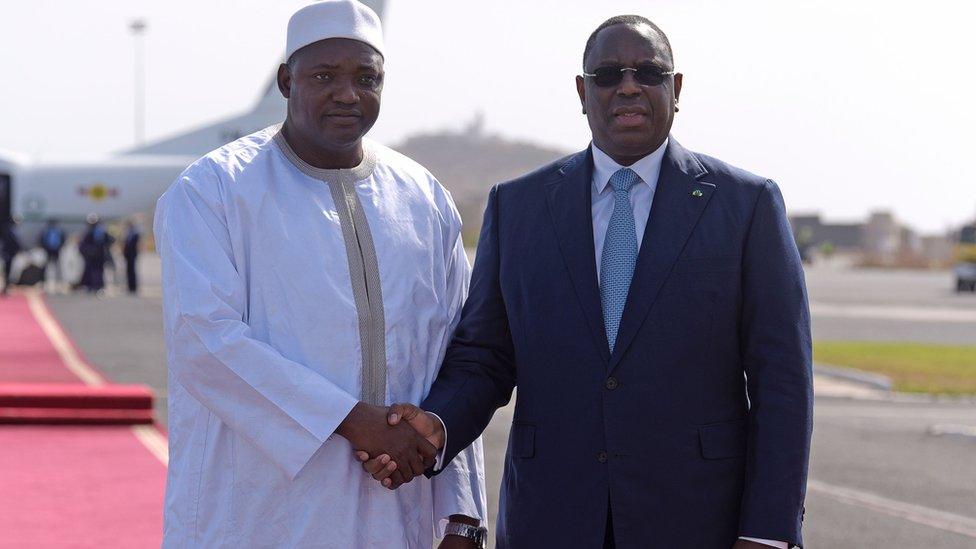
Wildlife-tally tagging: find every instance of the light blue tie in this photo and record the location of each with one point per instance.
(619, 253)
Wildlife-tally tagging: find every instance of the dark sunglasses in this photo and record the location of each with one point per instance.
(646, 74)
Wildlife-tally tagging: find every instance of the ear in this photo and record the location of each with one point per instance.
(581, 90)
(678, 77)
(284, 80)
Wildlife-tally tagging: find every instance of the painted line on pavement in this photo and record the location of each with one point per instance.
(882, 312)
(152, 439)
(934, 415)
(953, 429)
(61, 343)
(918, 514)
(148, 435)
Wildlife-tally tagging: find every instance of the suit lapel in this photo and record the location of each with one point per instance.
(569, 199)
(679, 201)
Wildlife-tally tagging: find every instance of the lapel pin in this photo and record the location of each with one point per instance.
(697, 193)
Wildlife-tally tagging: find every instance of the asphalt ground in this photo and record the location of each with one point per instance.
(885, 305)
(881, 475)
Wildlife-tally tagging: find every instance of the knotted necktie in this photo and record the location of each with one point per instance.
(619, 253)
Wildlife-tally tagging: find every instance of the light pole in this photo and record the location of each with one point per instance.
(138, 28)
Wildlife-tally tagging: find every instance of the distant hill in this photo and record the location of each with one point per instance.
(469, 162)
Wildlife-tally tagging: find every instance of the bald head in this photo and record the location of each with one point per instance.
(638, 22)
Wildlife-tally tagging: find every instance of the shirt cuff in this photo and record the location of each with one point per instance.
(440, 454)
(771, 543)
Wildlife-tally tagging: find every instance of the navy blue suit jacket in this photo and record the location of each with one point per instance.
(696, 430)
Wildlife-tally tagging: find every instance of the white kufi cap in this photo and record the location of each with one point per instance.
(334, 19)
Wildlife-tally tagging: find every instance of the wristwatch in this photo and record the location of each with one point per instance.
(478, 534)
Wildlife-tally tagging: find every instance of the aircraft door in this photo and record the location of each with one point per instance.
(6, 195)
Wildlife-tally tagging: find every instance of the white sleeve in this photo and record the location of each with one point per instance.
(280, 406)
(460, 488)
(771, 543)
(440, 453)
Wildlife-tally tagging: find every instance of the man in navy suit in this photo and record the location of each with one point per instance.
(650, 305)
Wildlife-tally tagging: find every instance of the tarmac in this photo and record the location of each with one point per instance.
(886, 470)
(889, 305)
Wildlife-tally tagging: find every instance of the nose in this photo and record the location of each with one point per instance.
(629, 84)
(345, 93)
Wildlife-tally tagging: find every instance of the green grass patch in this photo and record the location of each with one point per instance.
(912, 367)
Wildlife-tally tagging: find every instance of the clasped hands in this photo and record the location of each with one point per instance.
(394, 444)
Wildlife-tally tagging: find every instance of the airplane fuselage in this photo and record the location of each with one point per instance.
(70, 191)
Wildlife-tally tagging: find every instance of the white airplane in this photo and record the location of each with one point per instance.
(124, 184)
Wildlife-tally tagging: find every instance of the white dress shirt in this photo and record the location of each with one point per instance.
(641, 194)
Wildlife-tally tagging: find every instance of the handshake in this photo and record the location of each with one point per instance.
(394, 444)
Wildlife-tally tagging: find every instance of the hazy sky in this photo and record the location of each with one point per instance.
(850, 105)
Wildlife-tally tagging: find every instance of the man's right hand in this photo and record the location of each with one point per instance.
(368, 429)
(382, 467)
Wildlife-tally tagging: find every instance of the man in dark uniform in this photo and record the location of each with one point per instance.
(9, 248)
(51, 241)
(94, 249)
(130, 251)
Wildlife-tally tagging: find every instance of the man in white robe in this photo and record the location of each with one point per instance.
(310, 279)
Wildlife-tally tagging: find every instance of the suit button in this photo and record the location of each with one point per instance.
(611, 383)
(601, 457)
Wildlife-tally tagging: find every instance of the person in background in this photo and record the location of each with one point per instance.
(130, 251)
(95, 250)
(51, 241)
(9, 248)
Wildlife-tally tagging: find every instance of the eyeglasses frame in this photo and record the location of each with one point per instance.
(671, 72)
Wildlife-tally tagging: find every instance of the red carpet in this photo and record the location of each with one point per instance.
(26, 353)
(44, 379)
(56, 403)
(78, 486)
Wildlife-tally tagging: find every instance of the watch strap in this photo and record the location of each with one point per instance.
(476, 533)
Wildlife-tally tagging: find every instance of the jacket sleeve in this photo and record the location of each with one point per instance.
(478, 373)
(777, 358)
(460, 488)
(280, 406)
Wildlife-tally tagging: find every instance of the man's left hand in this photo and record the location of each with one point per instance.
(457, 542)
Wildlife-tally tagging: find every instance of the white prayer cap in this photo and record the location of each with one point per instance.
(334, 19)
